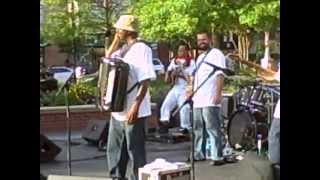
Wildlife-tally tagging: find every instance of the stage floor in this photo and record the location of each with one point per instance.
(88, 161)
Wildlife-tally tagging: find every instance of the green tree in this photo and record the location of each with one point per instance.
(171, 20)
(57, 27)
(166, 20)
(262, 16)
(92, 17)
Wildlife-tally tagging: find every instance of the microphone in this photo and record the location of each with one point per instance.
(228, 72)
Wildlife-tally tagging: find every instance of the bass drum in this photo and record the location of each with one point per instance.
(243, 128)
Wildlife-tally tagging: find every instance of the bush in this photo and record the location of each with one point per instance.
(80, 93)
(158, 90)
(84, 92)
(245, 77)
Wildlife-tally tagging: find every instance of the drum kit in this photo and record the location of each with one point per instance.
(253, 114)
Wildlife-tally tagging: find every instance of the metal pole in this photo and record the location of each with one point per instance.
(192, 140)
(66, 97)
(74, 43)
(66, 88)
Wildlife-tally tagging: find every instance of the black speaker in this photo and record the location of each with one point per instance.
(42, 177)
(48, 150)
(276, 171)
(96, 132)
(59, 177)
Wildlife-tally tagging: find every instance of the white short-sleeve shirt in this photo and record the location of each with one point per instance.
(277, 109)
(139, 58)
(186, 71)
(204, 96)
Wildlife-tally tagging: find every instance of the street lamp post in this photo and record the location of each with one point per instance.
(72, 9)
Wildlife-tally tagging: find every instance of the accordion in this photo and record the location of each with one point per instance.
(114, 75)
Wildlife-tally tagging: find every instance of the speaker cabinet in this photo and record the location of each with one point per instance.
(96, 132)
(57, 177)
(48, 150)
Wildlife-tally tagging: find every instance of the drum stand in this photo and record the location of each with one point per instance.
(65, 87)
(190, 102)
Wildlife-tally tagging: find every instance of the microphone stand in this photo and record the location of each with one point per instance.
(190, 102)
(65, 88)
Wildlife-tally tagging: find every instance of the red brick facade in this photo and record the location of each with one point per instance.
(53, 119)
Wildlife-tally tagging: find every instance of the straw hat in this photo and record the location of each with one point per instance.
(127, 22)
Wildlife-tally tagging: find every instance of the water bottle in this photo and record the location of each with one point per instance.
(259, 137)
(208, 148)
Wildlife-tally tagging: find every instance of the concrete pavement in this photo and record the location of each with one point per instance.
(88, 161)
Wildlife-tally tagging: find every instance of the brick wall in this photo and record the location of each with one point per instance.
(54, 56)
(53, 119)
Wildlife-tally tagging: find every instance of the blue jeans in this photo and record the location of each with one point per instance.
(207, 120)
(274, 141)
(126, 148)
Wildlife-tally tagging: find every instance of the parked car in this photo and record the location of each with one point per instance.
(61, 73)
(158, 66)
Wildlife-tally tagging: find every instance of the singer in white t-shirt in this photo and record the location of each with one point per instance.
(207, 100)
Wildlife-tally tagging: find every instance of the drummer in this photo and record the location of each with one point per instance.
(274, 133)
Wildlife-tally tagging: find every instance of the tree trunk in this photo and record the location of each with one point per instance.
(240, 48)
(243, 46)
(247, 45)
(267, 49)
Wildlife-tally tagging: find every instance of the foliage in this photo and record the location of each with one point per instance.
(261, 15)
(83, 92)
(171, 20)
(92, 17)
(164, 20)
(158, 90)
(52, 99)
(79, 94)
(245, 77)
(57, 27)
